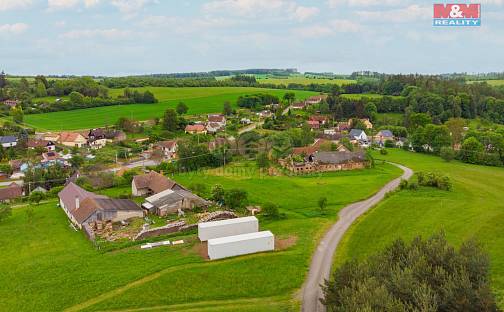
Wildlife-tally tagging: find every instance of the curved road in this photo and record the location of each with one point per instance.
(320, 267)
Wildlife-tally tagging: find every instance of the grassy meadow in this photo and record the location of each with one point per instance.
(474, 208)
(47, 266)
(493, 82)
(199, 101)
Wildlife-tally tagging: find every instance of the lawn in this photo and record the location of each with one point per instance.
(199, 101)
(474, 208)
(47, 266)
(390, 118)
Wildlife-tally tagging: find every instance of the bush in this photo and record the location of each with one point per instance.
(431, 179)
(403, 184)
(198, 188)
(236, 198)
(383, 151)
(390, 144)
(424, 275)
(270, 210)
(447, 153)
(413, 186)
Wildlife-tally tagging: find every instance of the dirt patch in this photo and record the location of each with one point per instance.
(282, 244)
(201, 248)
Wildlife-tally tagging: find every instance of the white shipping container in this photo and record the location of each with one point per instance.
(224, 247)
(229, 227)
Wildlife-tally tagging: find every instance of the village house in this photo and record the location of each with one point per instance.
(34, 143)
(49, 136)
(11, 103)
(322, 120)
(8, 141)
(218, 119)
(245, 121)
(299, 105)
(172, 201)
(265, 114)
(313, 124)
(330, 131)
(384, 135)
(152, 183)
(214, 127)
(343, 126)
(11, 192)
(96, 138)
(358, 136)
(195, 129)
(72, 139)
(327, 161)
(83, 207)
(50, 157)
(365, 121)
(168, 149)
(317, 99)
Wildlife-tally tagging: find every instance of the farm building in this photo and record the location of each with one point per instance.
(229, 227)
(231, 246)
(11, 192)
(171, 201)
(327, 161)
(152, 183)
(83, 207)
(317, 99)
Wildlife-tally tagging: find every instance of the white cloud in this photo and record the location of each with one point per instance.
(14, 4)
(184, 25)
(261, 8)
(90, 3)
(109, 34)
(130, 7)
(362, 3)
(408, 14)
(302, 13)
(13, 29)
(62, 4)
(331, 28)
(243, 7)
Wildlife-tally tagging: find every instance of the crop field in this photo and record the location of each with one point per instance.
(474, 208)
(199, 101)
(47, 266)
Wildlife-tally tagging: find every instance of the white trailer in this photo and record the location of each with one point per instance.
(224, 247)
(229, 227)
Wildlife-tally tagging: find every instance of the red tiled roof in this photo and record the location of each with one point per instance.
(198, 128)
(154, 181)
(167, 144)
(216, 118)
(69, 136)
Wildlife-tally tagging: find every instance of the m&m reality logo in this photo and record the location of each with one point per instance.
(457, 15)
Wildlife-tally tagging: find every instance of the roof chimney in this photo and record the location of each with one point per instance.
(77, 202)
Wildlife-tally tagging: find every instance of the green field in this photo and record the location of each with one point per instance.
(199, 101)
(47, 266)
(303, 80)
(490, 82)
(474, 208)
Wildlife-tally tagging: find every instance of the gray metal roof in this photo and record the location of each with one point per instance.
(338, 157)
(8, 139)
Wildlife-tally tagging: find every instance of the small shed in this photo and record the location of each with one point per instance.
(230, 227)
(231, 246)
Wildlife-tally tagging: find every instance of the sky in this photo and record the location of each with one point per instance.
(129, 37)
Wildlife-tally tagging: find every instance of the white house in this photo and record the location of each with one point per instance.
(358, 135)
(8, 141)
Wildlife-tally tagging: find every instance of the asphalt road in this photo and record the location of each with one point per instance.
(320, 267)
